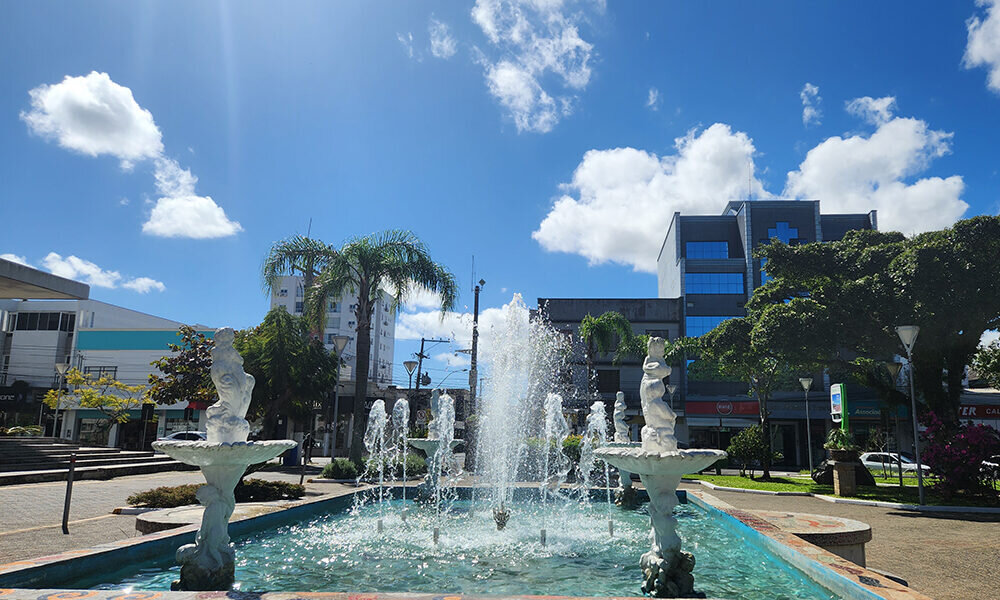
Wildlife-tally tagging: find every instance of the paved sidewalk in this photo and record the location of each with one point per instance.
(946, 556)
(31, 517)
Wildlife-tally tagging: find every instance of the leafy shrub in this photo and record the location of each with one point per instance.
(956, 455)
(20, 430)
(748, 449)
(838, 439)
(571, 447)
(340, 468)
(415, 466)
(251, 490)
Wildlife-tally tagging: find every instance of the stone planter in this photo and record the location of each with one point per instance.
(844, 481)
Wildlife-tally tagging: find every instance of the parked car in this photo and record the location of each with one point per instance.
(889, 461)
(991, 466)
(186, 436)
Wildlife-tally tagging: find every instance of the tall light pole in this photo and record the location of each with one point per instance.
(409, 365)
(329, 448)
(908, 335)
(473, 371)
(61, 368)
(806, 384)
(894, 368)
(670, 390)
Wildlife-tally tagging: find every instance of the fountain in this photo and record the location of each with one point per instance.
(625, 494)
(400, 427)
(208, 564)
(660, 465)
(555, 464)
(378, 452)
(437, 445)
(595, 436)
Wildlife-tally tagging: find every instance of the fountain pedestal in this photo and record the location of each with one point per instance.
(666, 569)
(432, 479)
(209, 563)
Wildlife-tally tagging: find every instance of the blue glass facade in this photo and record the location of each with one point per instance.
(698, 326)
(713, 283)
(707, 250)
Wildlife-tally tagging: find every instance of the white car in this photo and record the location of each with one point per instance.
(186, 436)
(889, 461)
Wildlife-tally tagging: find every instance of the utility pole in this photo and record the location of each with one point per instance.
(420, 359)
(473, 372)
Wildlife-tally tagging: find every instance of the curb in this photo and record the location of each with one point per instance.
(131, 510)
(988, 510)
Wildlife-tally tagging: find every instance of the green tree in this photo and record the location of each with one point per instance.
(186, 372)
(764, 347)
(110, 397)
(947, 282)
(293, 372)
(987, 364)
(605, 333)
(300, 255)
(394, 260)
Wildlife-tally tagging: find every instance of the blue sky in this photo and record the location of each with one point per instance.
(552, 140)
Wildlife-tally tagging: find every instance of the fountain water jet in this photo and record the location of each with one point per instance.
(209, 563)
(400, 427)
(625, 494)
(666, 568)
(375, 443)
(555, 464)
(437, 446)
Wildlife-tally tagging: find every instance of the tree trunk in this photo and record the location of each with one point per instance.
(765, 425)
(361, 375)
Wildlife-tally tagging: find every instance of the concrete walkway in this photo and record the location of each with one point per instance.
(946, 556)
(31, 517)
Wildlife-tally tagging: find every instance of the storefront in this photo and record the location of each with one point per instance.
(712, 424)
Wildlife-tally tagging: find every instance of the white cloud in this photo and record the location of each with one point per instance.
(78, 269)
(94, 116)
(455, 326)
(857, 174)
(15, 258)
(534, 41)
(983, 47)
(989, 336)
(443, 45)
(454, 360)
(619, 204)
(876, 111)
(144, 285)
(179, 212)
(811, 114)
(417, 298)
(407, 41)
(653, 99)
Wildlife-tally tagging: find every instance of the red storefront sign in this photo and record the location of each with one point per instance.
(725, 408)
(979, 411)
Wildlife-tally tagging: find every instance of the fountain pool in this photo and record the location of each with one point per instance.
(341, 551)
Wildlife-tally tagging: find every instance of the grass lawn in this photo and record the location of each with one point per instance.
(882, 494)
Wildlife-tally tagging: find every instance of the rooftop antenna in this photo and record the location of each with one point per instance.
(310, 228)
(472, 279)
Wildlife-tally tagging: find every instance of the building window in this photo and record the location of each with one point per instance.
(707, 250)
(783, 232)
(333, 323)
(98, 372)
(298, 307)
(698, 326)
(713, 283)
(283, 293)
(332, 306)
(300, 292)
(43, 321)
(608, 380)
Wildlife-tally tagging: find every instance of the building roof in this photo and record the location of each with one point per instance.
(21, 282)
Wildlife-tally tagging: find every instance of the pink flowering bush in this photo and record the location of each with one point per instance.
(956, 455)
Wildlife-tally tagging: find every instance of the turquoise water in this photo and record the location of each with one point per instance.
(344, 552)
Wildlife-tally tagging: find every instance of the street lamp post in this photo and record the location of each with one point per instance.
(670, 390)
(329, 448)
(806, 384)
(908, 335)
(409, 365)
(894, 368)
(61, 368)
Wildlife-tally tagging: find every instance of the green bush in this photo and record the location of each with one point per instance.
(748, 449)
(571, 447)
(415, 466)
(340, 468)
(251, 490)
(22, 430)
(838, 439)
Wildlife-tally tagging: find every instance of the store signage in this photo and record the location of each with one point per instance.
(979, 411)
(724, 408)
(11, 396)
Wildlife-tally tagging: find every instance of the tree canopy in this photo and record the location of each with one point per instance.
(186, 372)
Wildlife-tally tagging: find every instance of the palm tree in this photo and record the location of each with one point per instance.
(605, 333)
(391, 260)
(297, 254)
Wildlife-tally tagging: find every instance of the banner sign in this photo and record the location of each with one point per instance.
(838, 398)
(979, 411)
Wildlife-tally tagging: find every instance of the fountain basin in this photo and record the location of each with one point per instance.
(429, 445)
(207, 454)
(645, 462)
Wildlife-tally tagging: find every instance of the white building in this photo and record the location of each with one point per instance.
(98, 339)
(341, 320)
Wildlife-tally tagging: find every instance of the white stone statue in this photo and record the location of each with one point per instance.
(432, 425)
(658, 432)
(225, 421)
(621, 428)
(209, 563)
